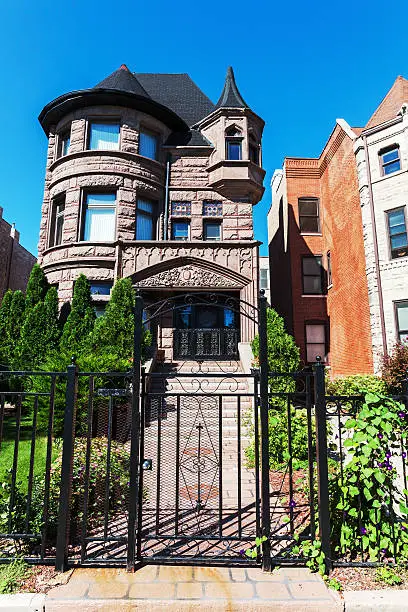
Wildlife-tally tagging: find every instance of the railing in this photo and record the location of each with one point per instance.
(206, 343)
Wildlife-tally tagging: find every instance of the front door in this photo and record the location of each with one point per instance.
(205, 332)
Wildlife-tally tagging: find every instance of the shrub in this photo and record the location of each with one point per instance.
(365, 496)
(283, 356)
(81, 319)
(14, 327)
(395, 368)
(4, 322)
(37, 287)
(12, 576)
(355, 385)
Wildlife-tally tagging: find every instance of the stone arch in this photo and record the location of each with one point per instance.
(189, 273)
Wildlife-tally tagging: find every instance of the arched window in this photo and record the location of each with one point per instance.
(233, 143)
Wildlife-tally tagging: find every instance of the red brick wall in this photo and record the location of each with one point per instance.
(333, 179)
(15, 261)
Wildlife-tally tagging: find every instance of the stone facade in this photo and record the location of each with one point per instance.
(189, 182)
(16, 261)
(387, 276)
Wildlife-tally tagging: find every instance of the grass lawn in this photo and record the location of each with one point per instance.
(24, 450)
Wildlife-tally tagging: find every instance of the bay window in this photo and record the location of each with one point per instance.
(104, 136)
(100, 217)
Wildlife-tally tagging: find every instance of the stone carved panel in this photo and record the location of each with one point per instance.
(187, 276)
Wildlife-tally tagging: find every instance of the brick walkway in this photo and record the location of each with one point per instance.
(193, 588)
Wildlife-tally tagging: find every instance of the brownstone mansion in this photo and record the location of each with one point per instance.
(146, 178)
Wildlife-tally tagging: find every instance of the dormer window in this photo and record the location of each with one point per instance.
(233, 143)
(390, 160)
(104, 136)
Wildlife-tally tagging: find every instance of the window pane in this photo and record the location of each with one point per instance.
(309, 224)
(312, 284)
(312, 265)
(65, 145)
(212, 231)
(104, 136)
(144, 227)
(229, 317)
(100, 224)
(315, 333)
(99, 310)
(392, 167)
(263, 278)
(148, 145)
(402, 314)
(233, 150)
(314, 350)
(58, 229)
(396, 218)
(308, 208)
(101, 288)
(180, 230)
(100, 199)
(184, 317)
(398, 242)
(146, 205)
(390, 156)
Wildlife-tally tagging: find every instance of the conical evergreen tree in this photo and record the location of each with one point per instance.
(37, 287)
(81, 319)
(53, 328)
(4, 322)
(33, 345)
(14, 327)
(113, 332)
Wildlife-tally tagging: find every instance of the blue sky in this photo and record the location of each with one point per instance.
(299, 65)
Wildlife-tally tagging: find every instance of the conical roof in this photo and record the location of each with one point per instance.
(230, 97)
(123, 80)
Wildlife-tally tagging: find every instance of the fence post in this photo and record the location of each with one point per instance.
(263, 388)
(64, 511)
(135, 434)
(322, 464)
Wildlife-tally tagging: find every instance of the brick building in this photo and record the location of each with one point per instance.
(146, 178)
(16, 261)
(347, 294)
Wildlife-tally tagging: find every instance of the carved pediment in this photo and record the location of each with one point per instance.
(188, 276)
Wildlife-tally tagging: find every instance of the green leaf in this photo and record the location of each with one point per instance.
(367, 494)
(379, 476)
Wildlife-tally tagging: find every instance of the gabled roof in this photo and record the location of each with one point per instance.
(230, 97)
(123, 80)
(178, 92)
(391, 104)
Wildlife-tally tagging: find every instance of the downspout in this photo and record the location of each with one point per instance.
(375, 244)
(166, 200)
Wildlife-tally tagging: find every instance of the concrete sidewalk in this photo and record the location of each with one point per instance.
(193, 588)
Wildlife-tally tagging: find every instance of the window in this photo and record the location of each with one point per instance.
(64, 142)
(397, 229)
(329, 270)
(390, 160)
(99, 310)
(312, 275)
(212, 209)
(99, 224)
(181, 209)
(180, 230)
(101, 288)
(264, 278)
(253, 150)
(212, 230)
(401, 309)
(233, 143)
(315, 341)
(57, 221)
(309, 215)
(104, 136)
(145, 219)
(148, 144)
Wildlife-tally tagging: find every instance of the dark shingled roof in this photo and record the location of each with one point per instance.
(230, 97)
(193, 138)
(123, 80)
(179, 93)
